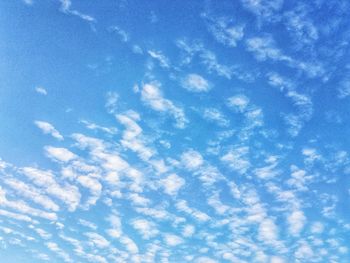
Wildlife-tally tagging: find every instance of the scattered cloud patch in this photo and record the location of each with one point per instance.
(41, 90)
(195, 83)
(48, 128)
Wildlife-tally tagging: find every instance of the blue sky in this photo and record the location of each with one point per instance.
(174, 131)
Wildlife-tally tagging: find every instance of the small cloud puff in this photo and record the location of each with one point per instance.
(41, 90)
(48, 128)
(196, 83)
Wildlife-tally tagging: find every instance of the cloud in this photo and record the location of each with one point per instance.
(216, 116)
(205, 260)
(182, 206)
(48, 128)
(60, 154)
(97, 240)
(32, 193)
(45, 180)
(296, 221)
(41, 90)
(188, 230)
(304, 251)
(94, 187)
(22, 207)
(172, 184)
(223, 30)
(129, 244)
(344, 88)
(191, 159)
(112, 101)
(116, 226)
(16, 216)
(146, 228)
(195, 83)
(317, 228)
(264, 9)
(158, 55)
(66, 7)
(172, 240)
(207, 58)
(132, 135)
(120, 32)
(152, 96)
(238, 102)
(237, 159)
(268, 231)
(96, 127)
(300, 25)
(265, 48)
(275, 259)
(60, 252)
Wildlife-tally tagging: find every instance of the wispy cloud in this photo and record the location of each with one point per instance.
(41, 90)
(153, 97)
(48, 128)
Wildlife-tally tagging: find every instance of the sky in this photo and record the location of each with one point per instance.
(174, 131)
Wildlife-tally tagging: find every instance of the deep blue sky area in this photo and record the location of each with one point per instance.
(174, 131)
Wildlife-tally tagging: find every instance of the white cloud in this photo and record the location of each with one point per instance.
(275, 259)
(60, 154)
(317, 228)
(94, 187)
(163, 60)
(238, 102)
(173, 240)
(23, 207)
(152, 96)
(68, 194)
(172, 184)
(192, 159)
(116, 230)
(300, 25)
(196, 83)
(88, 224)
(207, 58)
(265, 48)
(296, 221)
(146, 228)
(237, 159)
(264, 9)
(112, 99)
(268, 231)
(188, 230)
(299, 179)
(48, 128)
(304, 252)
(224, 30)
(344, 88)
(60, 252)
(216, 116)
(96, 127)
(121, 33)
(40, 90)
(97, 240)
(66, 7)
(129, 244)
(32, 193)
(16, 216)
(205, 260)
(132, 136)
(182, 206)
